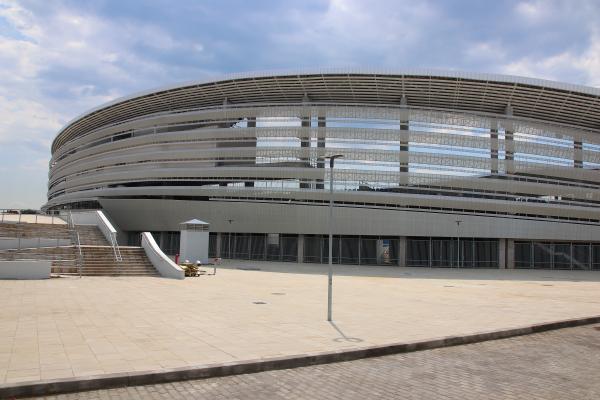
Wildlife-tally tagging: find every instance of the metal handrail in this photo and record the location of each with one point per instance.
(70, 220)
(75, 239)
(79, 254)
(115, 246)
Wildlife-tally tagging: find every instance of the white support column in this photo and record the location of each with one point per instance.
(321, 135)
(379, 251)
(305, 121)
(502, 253)
(509, 143)
(251, 123)
(402, 251)
(494, 147)
(578, 154)
(510, 254)
(404, 140)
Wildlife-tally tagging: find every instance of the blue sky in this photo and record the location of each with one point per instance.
(60, 58)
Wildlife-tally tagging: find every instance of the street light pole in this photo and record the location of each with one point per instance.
(458, 242)
(229, 245)
(330, 272)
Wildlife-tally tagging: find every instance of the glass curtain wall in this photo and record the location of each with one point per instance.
(243, 246)
(353, 250)
(452, 253)
(281, 247)
(168, 241)
(557, 255)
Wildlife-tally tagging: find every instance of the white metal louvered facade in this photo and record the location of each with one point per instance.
(514, 158)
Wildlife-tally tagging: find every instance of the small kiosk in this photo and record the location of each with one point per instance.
(193, 244)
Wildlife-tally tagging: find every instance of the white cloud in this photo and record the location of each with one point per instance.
(55, 65)
(22, 120)
(557, 66)
(490, 52)
(351, 28)
(36, 164)
(82, 44)
(533, 11)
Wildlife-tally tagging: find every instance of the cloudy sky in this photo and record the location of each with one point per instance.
(59, 58)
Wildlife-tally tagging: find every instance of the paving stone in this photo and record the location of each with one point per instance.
(562, 364)
(106, 325)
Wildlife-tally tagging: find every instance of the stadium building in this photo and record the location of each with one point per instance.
(439, 169)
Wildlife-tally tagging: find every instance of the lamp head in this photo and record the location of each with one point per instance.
(332, 158)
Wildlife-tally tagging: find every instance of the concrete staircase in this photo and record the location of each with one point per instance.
(100, 261)
(98, 258)
(64, 258)
(90, 235)
(31, 231)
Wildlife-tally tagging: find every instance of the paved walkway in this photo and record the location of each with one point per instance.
(561, 364)
(69, 327)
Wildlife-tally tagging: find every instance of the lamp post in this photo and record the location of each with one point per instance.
(458, 221)
(330, 273)
(229, 241)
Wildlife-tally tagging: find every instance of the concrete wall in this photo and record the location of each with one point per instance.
(14, 243)
(193, 246)
(163, 264)
(30, 269)
(165, 215)
(84, 218)
(97, 218)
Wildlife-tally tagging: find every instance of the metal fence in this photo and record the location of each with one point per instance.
(12, 215)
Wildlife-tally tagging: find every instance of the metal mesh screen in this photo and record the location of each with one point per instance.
(258, 246)
(443, 253)
(212, 245)
(542, 255)
(523, 255)
(313, 249)
(289, 247)
(596, 257)
(368, 251)
(417, 253)
(241, 246)
(485, 253)
(349, 250)
(562, 256)
(581, 256)
(393, 251)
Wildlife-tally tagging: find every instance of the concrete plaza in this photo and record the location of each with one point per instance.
(70, 327)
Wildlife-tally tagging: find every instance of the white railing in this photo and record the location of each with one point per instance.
(110, 233)
(13, 215)
(97, 218)
(115, 246)
(79, 254)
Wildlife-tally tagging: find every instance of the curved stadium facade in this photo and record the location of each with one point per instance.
(439, 169)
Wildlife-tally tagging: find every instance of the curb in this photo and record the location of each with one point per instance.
(106, 381)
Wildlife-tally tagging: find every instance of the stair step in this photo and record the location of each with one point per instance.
(100, 261)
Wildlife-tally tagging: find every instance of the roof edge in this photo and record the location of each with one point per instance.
(439, 73)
